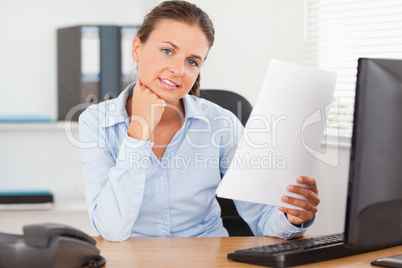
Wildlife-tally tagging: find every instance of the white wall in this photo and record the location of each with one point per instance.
(248, 34)
(28, 74)
(332, 183)
(40, 157)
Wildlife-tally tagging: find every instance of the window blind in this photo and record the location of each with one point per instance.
(337, 33)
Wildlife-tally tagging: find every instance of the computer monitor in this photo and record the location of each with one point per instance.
(374, 203)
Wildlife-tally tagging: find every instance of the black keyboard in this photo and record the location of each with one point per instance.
(296, 252)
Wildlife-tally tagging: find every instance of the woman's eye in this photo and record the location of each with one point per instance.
(192, 62)
(167, 51)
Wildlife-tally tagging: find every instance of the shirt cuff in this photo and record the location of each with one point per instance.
(282, 228)
(296, 232)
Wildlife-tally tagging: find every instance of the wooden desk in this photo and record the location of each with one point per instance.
(206, 252)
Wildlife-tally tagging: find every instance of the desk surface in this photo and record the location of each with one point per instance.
(206, 252)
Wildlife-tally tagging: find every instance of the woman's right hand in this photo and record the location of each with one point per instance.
(146, 111)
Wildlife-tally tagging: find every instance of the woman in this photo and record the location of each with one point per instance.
(153, 157)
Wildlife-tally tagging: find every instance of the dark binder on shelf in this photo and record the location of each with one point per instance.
(110, 62)
(25, 199)
(78, 70)
(94, 64)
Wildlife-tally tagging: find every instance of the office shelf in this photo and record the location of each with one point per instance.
(41, 126)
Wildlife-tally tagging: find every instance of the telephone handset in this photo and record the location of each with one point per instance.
(49, 245)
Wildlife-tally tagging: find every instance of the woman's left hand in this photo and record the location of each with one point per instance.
(308, 206)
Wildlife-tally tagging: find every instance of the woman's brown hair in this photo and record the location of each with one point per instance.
(181, 11)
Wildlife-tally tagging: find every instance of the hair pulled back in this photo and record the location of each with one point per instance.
(181, 11)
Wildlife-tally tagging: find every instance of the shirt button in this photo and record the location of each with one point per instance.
(162, 178)
(162, 191)
(164, 230)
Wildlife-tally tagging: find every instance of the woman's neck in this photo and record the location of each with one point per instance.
(173, 113)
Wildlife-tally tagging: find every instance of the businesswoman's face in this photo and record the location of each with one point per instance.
(171, 58)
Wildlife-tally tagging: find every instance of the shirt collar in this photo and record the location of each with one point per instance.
(193, 109)
(115, 109)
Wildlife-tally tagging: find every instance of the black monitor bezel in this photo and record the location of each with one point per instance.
(362, 231)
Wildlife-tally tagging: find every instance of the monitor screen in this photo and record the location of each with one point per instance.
(374, 204)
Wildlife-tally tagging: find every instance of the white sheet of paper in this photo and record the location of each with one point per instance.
(284, 130)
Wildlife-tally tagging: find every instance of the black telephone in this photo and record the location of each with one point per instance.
(49, 245)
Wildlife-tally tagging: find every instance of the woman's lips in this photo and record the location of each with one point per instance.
(168, 84)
